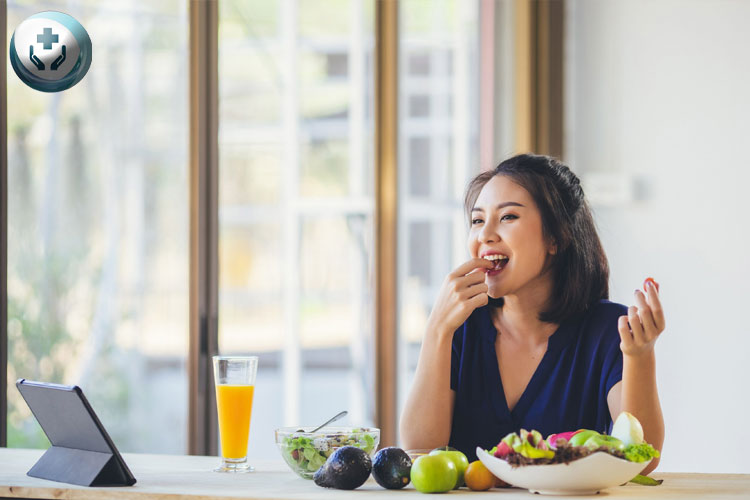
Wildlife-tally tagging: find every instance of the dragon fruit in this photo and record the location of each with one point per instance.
(507, 445)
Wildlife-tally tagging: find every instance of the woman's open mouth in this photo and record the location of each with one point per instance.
(499, 262)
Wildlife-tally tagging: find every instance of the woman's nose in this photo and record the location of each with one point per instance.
(488, 234)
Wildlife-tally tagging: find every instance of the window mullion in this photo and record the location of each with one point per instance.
(386, 210)
(204, 222)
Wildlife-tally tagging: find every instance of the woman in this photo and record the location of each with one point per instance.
(522, 335)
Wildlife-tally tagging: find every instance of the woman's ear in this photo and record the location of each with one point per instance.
(552, 248)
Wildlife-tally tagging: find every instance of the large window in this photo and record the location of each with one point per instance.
(295, 207)
(98, 226)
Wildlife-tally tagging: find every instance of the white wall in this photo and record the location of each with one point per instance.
(659, 91)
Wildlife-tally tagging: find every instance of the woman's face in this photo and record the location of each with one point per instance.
(506, 226)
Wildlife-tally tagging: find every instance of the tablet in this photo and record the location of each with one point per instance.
(82, 452)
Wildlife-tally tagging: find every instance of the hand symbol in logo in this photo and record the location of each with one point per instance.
(37, 62)
(60, 59)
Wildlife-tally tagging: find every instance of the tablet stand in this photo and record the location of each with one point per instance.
(81, 467)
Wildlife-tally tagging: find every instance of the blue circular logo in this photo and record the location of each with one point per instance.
(50, 51)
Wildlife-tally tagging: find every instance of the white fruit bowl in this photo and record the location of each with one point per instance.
(585, 476)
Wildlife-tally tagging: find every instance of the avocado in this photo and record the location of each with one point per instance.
(391, 468)
(347, 468)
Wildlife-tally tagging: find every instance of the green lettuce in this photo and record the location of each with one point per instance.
(641, 452)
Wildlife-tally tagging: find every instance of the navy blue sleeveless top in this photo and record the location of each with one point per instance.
(568, 390)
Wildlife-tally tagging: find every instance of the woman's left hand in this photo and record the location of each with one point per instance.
(643, 324)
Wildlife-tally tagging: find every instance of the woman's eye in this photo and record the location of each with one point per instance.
(476, 221)
(508, 217)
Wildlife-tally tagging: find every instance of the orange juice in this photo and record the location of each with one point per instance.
(235, 405)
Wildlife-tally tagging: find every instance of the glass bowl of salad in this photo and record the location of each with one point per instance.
(305, 452)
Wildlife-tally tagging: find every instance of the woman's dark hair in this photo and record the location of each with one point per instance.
(580, 272)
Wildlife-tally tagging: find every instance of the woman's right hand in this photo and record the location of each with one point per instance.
(463, 290)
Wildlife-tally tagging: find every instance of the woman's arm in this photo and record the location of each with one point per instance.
(426, 420)
(637, 392)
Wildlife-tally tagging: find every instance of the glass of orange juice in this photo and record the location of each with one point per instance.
(235, 385)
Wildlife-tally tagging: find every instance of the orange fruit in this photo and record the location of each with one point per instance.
(478, 477)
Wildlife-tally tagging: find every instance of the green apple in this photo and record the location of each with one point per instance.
(582, 437)
(434, 473)
(612, 443)
(459, 460)
(627, 429)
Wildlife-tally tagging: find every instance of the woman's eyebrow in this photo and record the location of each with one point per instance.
(500, 206)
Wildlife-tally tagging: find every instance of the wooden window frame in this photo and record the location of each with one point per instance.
(386, 224)
(538, 67)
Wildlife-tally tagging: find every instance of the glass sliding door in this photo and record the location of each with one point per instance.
(98, 226)
(296, 205)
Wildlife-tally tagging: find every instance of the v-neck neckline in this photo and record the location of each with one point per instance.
(500, 401)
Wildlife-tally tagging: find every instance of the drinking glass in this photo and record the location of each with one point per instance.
(235, 384)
